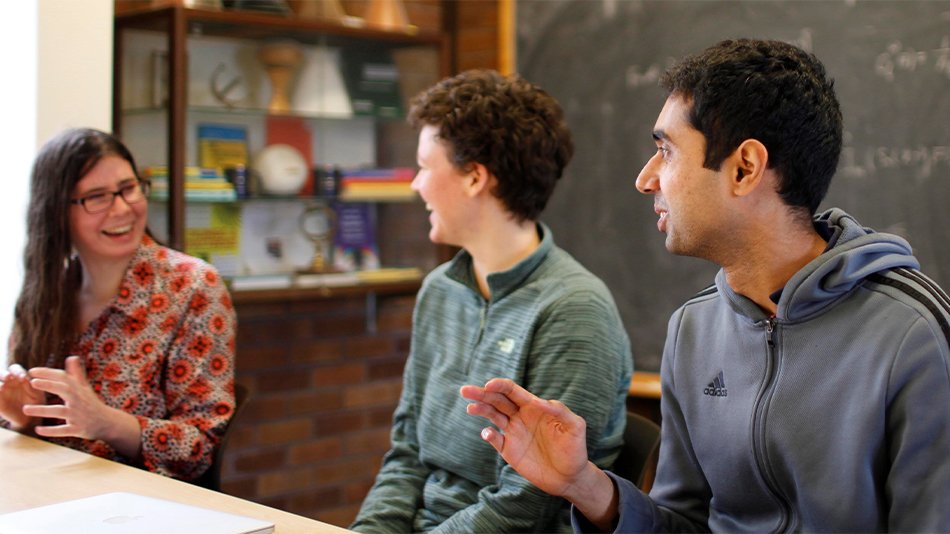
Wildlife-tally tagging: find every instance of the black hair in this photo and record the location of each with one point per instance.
(775, 93)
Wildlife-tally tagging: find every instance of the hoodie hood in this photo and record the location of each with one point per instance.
(857, 253)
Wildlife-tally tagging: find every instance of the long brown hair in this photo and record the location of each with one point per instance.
(44, 327)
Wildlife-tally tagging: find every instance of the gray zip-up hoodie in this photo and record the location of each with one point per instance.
(834, 415)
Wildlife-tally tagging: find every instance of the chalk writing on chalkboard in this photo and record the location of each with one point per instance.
(905, 59)
(602, 59)
(923, 162)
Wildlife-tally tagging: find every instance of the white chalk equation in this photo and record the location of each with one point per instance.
(898, 58)
(638, 76)
(922, 162)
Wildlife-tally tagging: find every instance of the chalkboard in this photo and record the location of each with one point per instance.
(602, 59)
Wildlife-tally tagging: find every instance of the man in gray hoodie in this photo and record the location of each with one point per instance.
(808, 389)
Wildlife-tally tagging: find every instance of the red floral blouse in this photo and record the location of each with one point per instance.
(163, 351)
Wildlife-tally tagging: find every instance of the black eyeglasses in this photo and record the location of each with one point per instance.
(99, 202)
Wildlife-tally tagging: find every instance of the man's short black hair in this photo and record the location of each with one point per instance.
(512, 127)
(775, 93)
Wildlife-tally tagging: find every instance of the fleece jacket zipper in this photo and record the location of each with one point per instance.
(759, 431)
(478, 339)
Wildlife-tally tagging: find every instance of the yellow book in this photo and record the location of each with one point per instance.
(208, 186)
(389, 274)
(222, 146)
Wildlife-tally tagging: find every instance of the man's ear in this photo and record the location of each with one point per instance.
(749, 163)
(477, 179)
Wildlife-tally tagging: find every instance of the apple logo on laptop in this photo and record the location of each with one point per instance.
(120, 519)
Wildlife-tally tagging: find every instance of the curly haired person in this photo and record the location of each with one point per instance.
(511, 303)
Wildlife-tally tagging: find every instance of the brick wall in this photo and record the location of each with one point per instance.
(323, 389)
(324, 383)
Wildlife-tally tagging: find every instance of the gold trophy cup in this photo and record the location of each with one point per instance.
(280, 58)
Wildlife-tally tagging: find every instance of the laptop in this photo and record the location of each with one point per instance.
(128, 513)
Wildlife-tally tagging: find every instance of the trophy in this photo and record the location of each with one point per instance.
(318, 223)
(321, 9)
(388, 15)
(280, 58)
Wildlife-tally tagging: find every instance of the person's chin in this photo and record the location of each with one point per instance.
(124, 242)
(123, 246)
(120, 252)
(680, 247)
(672, 245)
(437, 238)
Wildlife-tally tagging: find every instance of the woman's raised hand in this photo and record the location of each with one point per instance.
(83, 413)
(15, 393)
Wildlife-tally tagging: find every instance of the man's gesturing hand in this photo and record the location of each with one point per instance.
(543, 440)
(547, 443)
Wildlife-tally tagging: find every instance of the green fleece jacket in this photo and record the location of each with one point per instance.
(550, 326)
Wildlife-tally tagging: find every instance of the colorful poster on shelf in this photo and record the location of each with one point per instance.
(213, 233)
(354, 242)
(222, 146)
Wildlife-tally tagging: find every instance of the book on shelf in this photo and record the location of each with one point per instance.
(193, 195)
(377, 184)
(295, 132)
(202, 184)
(192, 173)
(395, 187)
(390, 174)
(261, 281)
(372, 81)
(222, 145)
(354, 241)
(376, 194)
(326, 279)
(389, 275)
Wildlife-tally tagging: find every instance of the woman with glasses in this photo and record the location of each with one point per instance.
(129, 345)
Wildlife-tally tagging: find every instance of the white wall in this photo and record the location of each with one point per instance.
(74, 62)
(57, 73)
(18, 37)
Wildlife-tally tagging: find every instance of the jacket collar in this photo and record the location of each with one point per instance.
(502, 283)
(857, 253)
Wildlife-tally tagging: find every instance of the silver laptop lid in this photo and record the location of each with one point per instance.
(128, 513)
